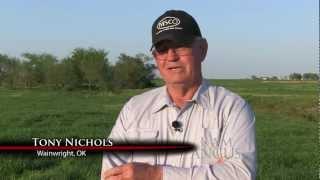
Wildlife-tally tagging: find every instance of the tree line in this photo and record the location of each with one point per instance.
(292, 76)
(87, 68)
(304, 76)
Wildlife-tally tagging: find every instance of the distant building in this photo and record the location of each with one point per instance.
(264, 78)
(284, 78)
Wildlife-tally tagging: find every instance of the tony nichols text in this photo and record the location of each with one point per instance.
(71, 142)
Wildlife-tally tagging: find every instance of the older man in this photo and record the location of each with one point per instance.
(186, 109)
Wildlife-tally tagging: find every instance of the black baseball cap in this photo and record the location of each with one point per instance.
(175, 25)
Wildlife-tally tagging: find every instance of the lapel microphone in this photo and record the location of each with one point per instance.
(177, 125)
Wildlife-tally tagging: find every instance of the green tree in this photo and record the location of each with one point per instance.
(12, 75)
(92, 66)
(254, 77)
(133, 72)
(4, 67)
(310, 76)
(72, 76)
(12, 72)
(26, 74)
(274, 78)
(39, 65)
(295, 76)
(57, 75)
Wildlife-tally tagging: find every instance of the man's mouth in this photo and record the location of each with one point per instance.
(174, 68)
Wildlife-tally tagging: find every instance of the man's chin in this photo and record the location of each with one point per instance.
(177, 82)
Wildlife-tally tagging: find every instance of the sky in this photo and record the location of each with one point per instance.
(245, 37)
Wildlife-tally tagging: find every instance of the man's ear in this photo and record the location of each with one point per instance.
(203, 49)
(154, 55)
(155, 58)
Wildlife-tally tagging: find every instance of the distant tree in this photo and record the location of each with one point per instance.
(274, 78)
(284, 78)
(144, 58)
(11, 72)
(133, 72)
(4, 67)
(295, 76)
(27, 75)
(72, 77)
(39, 65)
(11, 79)
(57, 75)
(254, 77)
(93, 65)
(310, 76)
(84, 68)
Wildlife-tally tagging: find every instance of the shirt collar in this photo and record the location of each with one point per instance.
(200, 97)
(162, 100)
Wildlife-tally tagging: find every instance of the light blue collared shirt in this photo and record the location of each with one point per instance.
(220, 123)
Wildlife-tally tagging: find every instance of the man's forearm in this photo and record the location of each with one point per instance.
(157, 172)
(226, 171)
(141, 171)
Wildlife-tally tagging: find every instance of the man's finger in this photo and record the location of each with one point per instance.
(112, 172)
(113, 178)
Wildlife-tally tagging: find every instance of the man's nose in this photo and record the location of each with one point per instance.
(172, 55)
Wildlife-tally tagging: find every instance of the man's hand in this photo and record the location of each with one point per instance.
(134, 171)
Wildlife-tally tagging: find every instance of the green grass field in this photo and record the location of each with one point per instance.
(286, 114)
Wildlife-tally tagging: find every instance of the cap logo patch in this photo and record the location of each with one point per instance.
(168, 23)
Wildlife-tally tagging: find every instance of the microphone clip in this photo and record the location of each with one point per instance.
(177, 125)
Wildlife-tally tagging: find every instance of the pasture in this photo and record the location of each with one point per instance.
(286, 126)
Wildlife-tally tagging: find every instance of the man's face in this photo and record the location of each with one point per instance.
(180, 63)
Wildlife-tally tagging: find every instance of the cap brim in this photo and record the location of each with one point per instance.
(175, 37)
